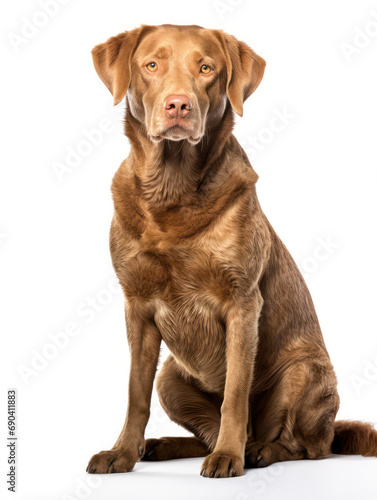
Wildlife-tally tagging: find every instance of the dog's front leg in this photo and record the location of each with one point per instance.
(227, 459)
(144, 343)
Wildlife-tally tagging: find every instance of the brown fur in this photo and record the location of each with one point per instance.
(203, 270)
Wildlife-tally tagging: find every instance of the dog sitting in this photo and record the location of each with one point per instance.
(203, 270)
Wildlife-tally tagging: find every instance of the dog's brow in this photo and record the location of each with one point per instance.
(198, 56)
(162, 53)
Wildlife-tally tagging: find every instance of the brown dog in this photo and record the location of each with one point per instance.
(202, 269)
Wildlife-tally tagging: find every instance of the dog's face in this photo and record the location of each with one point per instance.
(178, 78)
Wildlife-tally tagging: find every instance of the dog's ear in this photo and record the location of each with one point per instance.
(245, 71)
(112, 61)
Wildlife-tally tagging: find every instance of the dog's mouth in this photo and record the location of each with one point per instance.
(177, 131)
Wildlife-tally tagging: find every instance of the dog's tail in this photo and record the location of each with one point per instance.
(354, 438)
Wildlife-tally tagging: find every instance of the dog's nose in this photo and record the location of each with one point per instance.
(177, 106)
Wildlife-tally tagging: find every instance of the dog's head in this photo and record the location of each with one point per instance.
(178, 78)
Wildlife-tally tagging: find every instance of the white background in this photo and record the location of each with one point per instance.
(317, 183)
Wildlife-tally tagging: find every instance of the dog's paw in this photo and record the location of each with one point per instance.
(257, 455)
(108, 462)
(222, 465)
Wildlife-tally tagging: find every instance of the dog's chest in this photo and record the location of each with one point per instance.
(195, 335)
(186, 283)
(187, 288)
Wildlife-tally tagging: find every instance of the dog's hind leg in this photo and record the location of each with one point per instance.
(168, 448)
(188, 406)
(297, 420)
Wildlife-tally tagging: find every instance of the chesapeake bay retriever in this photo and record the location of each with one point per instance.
(202, 269)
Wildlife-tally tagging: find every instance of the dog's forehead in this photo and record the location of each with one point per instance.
(164, 40)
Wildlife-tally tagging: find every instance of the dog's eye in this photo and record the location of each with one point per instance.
(152, 66)
(205, 69)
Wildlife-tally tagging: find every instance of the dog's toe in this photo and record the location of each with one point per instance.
(109, 462)
(218, 465)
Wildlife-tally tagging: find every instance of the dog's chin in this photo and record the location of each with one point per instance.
(177, 133)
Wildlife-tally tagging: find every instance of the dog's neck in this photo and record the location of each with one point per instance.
(171, 171)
